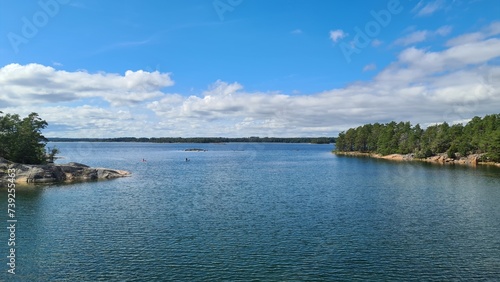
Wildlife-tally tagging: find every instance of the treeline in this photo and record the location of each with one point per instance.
(21, 140)
(478, 136)
(315, 140)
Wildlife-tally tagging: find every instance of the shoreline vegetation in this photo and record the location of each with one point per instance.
(477, 142)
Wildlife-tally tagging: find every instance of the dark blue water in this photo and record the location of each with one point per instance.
(257, 212)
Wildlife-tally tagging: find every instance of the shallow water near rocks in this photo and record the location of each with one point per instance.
(263, 212)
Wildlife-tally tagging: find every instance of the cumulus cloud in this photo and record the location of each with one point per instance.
(336, 35)
(412, 88)
(420, 85)
(38, 84)
(451, 59)
(90, 121)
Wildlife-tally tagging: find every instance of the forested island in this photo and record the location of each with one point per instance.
(479, 137)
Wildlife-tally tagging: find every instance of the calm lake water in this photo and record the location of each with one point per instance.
(256, 212)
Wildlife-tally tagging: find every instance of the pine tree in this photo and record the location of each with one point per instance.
(21, 140)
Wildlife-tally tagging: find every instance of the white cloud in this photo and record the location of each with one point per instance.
(376, 43)
(465, 38)
(412, 88)
(89, 121)
(491, 30)
(412, 38)
(423, 35)
(370, 67)
(336, 35)
(296, 31)
(38, 84)
(421, 86)
(444, 30)
(126, 44)
(427, 9)
(422, 63)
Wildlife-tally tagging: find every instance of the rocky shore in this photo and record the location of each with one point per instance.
(441, 158)
(55, 173)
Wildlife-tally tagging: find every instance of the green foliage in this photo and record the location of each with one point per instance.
(494, 149)
(21, 139)
(51, 153)
(321, 140)
(451, 152)
(480, 135)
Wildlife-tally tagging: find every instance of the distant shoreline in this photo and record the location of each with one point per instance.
(471, 160)
(207, 140)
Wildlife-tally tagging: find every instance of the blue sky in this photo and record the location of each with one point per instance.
(241, 67)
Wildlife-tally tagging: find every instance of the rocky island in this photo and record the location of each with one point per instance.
(24, 158)
(55, 173)
(195, 150)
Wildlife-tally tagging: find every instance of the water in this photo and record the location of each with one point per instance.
(257, 212)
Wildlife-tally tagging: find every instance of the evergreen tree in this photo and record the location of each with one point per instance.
(21, 140)
(480, 135)
(494, 152)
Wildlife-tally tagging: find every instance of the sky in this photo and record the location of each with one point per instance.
(239, 68)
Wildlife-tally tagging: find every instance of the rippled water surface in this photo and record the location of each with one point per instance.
(256, 212)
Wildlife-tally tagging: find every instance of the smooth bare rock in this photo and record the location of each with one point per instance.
(470, 160)
(104, 173)
(44, 174)
(73, 164)
(55, 173)
(195, 150)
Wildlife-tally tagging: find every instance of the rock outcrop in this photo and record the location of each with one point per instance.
(470, 160)
(55, 173)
